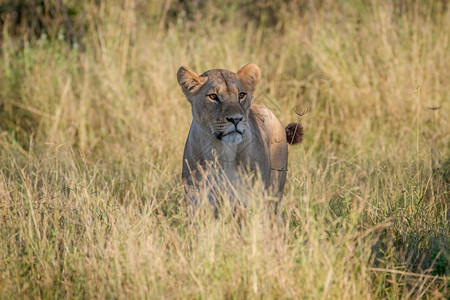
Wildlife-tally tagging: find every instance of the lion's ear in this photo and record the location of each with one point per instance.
(249, 75)
(190, 82)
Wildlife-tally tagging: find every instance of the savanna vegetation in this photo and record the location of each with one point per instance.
(93, 125)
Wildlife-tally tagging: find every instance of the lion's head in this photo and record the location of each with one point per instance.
(221, 100)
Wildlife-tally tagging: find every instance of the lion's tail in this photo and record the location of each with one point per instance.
(294, 133)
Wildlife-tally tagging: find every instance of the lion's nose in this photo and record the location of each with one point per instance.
(234, 120)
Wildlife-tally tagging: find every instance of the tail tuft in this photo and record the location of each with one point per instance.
(294, 133)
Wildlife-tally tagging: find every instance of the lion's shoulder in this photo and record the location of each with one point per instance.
(268, 123)
(261, 113)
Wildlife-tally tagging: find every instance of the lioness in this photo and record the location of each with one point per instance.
(229, 132)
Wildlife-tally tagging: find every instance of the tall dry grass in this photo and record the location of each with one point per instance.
(91, 201)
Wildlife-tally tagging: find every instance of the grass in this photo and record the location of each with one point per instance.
(91, 143)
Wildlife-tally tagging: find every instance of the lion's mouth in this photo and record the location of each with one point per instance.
(221, 135)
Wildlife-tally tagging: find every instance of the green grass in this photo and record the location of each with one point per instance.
(91, 143)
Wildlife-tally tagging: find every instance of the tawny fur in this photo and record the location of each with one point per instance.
(230, 133)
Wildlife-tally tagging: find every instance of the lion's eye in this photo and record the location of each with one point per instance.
(242, 95)
(213, 97)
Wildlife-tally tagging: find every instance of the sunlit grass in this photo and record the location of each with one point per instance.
(91, 200)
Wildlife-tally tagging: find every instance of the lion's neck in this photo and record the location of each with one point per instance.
(227, 155)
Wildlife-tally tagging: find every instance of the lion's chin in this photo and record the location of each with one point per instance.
(232, 138)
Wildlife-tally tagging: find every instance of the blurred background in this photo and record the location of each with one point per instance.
(93, 125)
